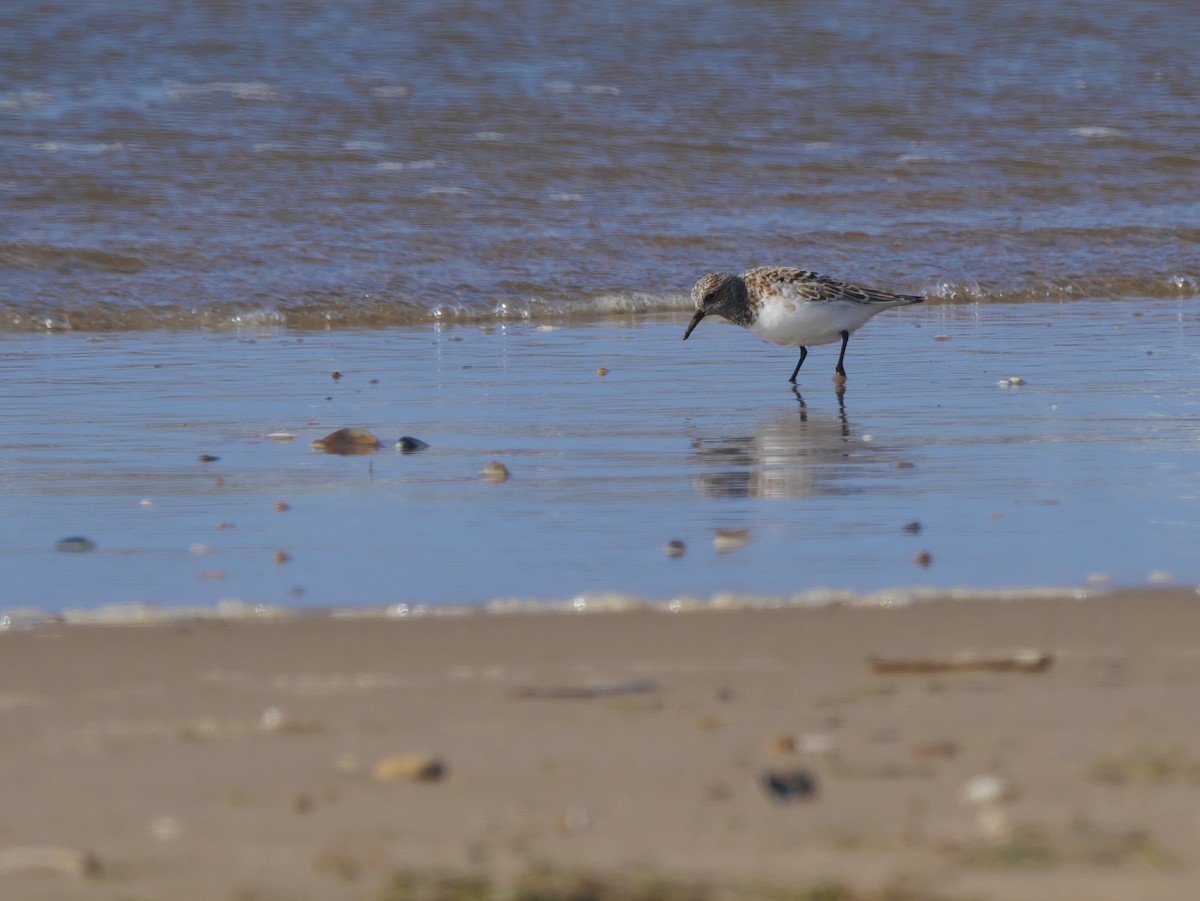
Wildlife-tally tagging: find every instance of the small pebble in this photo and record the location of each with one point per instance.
(495, 472)
(601, 371)
(941, 337)
(903, 464)
(923, 559)
(675, 549)
(988, 790)
(303, 803)
(935, 750)
(410, 445)
(165, 828)
(281, 506)
(76, 544)
(790, 785)
(335, 375)
(409, 768)
(913, 527)
(731, 539)
(347, 442)
(281, 557)
(219, 482)
(208, 458)
(780, 744)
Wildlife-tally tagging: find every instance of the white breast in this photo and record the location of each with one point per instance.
(809, 323)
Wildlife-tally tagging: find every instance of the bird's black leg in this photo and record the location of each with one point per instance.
(841, 370)
(796, 371)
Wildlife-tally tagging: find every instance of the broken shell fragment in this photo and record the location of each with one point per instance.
(347, 442)
(409, 445)
(731, 539)
(495, 472)
(409, 768)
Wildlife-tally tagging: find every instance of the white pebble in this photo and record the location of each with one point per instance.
(988, 790)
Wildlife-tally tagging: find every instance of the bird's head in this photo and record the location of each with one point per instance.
(719, 293)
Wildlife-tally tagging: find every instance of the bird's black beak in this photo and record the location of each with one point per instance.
(695, 322)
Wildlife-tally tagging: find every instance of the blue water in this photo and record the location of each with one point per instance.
(1090, 467)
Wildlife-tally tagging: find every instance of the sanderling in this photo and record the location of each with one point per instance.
(792, 307)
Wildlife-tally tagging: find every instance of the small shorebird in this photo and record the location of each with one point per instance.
(792, 306)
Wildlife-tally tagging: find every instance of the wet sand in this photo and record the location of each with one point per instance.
(237, 760)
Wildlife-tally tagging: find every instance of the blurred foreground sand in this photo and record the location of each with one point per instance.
(242, 760)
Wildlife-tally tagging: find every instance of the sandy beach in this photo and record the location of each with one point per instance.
(317, 758)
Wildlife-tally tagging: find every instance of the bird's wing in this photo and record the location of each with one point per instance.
(803, 284)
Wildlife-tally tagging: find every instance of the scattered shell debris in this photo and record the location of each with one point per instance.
(409, 768)
(675, 548)
(789, 785)
(76, 544)
(1014, 381)
(731, 539)
(347, 442)
(495, 472)
(409, 445)
(1023, 660)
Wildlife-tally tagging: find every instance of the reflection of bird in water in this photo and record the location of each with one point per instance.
(792, 307)
(787, 456)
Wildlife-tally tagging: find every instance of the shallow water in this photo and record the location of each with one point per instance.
(217, 164)
(208, 207)
(1090, 467)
